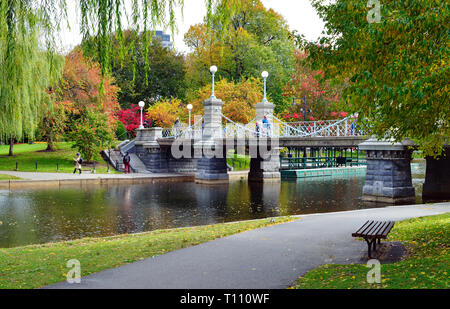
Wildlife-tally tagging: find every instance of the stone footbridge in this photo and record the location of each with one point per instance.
(202, 149)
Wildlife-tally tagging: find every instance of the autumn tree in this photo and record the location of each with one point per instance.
(256, 39)
(240, 98)
(164, 112)
(396, 57)
(131, 119)
(321, 94)
(79, 88)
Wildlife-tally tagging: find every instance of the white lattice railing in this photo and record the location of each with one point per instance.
(184, 131)
(275, 128)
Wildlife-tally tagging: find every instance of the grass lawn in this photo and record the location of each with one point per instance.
(8, 177)
(39, 265)
(427, 265)
(27, 155)
(239, 162)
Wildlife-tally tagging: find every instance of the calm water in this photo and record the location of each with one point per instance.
(39, 216)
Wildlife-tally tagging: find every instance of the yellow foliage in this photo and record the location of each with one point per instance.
(164, 112)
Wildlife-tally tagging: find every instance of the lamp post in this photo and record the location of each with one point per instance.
(303, 110)
(213, 70)
(141, 105)
(264, 75)
(189, 107)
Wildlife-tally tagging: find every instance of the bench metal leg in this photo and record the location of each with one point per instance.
(370, 243)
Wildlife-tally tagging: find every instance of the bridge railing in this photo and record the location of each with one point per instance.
(184, 131)
(274, 128)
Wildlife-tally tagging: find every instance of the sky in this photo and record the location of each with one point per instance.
(299, 14)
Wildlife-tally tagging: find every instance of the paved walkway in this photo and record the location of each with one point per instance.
(67, 176)
(267, 258)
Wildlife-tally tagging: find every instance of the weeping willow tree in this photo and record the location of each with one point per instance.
(28, 44)
(27, 70)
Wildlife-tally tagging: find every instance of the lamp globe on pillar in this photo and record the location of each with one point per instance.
(141, 105)
(264, 75)
(213, 70)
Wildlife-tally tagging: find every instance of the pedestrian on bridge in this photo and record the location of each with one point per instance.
(266, 125)
(177, 126)
(257, 129)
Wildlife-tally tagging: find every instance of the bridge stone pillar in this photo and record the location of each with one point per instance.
(264, 167)
(264, 108)
(388, 175)
(212, 118)
(149, 151)
(211, 169)
(437, 177)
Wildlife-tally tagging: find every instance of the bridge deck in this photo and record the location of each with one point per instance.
(311, 141)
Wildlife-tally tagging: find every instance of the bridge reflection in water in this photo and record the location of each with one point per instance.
(39, 216)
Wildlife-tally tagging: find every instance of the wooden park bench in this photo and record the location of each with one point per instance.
(373, 231)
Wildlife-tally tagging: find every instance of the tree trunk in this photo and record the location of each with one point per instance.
(11, 145)
(50, 144)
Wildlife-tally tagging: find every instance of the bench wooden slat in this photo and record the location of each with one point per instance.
(358, 234)
(387, 229)
(378, 230)
(373, 229)
(364, 225)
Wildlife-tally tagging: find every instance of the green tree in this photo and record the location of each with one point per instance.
(53, 124)
(91, 134)
(26, 72)
(166, 77)
(240, 98)
(398, 68)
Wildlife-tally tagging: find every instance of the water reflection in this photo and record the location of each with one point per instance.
(39, 216)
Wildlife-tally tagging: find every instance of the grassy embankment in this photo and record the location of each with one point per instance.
(27, 155)
(426, 266)
(39, 265)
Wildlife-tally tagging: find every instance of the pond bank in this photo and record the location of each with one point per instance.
(46, 264)
(25, 180)
(266, 258)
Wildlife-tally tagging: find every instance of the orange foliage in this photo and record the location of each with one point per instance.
(79, 87)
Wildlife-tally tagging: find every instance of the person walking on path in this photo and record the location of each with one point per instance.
(126, 162)
(78, 160)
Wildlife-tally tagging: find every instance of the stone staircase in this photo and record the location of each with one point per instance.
(115, 158)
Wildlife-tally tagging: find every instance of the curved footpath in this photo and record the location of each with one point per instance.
(267, 258)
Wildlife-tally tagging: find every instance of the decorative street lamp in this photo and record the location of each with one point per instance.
(264, 75)
(213, 70)
(303, 110)
(141, 105)
(189, 107)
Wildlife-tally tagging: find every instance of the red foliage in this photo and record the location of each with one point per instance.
(131, 118)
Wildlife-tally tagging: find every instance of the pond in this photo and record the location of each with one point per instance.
(48, 215)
